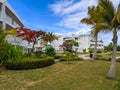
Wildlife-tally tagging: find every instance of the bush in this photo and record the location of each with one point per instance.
(103, 57)
(38, 54)
(99, 51)
(84, 50)
(90, 50)
(8, 51)
(57, 56)
(70, 59)
(50, 51)
(28, 63)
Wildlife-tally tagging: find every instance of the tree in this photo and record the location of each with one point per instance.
(110, 23)
(30, 35)
(68, 45)
(49, 37)
(93, 19)
(3, 43)
(50, 51)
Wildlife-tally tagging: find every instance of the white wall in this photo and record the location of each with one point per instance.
(56, 44)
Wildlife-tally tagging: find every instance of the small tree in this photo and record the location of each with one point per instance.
(91, 50)
(84, 50)
(68, 45)
(50, 51)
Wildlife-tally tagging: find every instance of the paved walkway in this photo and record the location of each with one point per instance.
(84, 56)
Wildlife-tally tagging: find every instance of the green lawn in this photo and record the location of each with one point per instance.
(75, 75)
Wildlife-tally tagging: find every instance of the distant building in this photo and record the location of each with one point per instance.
(84, 41)
(100, 45)
(57, 43)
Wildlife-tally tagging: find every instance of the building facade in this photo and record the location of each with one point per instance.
(100, 45)
(8, 17)
(84, 41)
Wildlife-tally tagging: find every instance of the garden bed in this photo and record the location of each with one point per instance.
(28, 63)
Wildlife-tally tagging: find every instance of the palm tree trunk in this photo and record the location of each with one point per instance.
(112, 72)
(95, 49)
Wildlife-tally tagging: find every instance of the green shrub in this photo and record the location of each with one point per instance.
(8, 51)
(38, 54)
(84, 50)
(57, 56)
(72, 58)
(28, 63)
(63, 58)
(98, 51)
(91, 50)
(50, 51)
(68, 56)
(103, 57)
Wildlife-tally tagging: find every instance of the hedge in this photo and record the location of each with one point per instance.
(106, 57)
(28, 63)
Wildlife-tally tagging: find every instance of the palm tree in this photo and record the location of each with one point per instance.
(92, 19)
(49, 37)
(111, 23)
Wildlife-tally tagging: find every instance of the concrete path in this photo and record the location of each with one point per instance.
(84, 56)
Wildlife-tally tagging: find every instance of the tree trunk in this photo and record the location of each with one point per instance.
(112, 73)
(95, 49)
(33, 46)
(32, 49)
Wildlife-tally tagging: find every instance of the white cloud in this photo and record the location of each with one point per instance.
(72, 12)
(59, 6)
(64, 7)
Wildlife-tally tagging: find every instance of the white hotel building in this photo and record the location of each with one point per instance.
(84, 41)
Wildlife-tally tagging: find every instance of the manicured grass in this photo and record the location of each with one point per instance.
(74, 75)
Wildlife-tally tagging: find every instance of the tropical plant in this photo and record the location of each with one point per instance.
(92, 19)
(10, 52)
(4, 33)
(110, 23)
(50, 51)
(68, 45)
(109, 47)
(90, 50)
(84, 50)
(49, 37)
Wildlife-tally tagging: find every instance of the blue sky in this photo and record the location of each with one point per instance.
(59, 16)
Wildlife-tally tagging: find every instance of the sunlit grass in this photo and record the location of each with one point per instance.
(74, 75)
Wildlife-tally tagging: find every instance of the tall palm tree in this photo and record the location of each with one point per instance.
(111, 23)
(92, 19)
